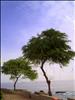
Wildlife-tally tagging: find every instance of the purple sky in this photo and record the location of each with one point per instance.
(20, 20)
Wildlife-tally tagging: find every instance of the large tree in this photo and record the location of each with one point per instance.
(51, 45)
(17, 68)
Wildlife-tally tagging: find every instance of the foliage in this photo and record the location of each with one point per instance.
(1, 96)
(17, 67)
(51, 45)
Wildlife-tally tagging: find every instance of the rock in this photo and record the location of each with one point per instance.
(36, 93)
(55, 98)
(70, 98)
(42, 91)
(60, 92)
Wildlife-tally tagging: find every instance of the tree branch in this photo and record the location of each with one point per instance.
(44, 73)
(16, 81)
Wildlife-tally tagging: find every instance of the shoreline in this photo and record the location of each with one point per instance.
(20, 94)
(67, 86)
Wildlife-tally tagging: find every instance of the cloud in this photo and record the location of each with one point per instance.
(48, 13)
(32, 17)
(36, 16)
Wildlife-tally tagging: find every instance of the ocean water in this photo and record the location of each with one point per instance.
(67, 86)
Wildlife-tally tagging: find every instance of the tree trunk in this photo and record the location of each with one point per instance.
(47, 80)
(15, 83)
(49, 88)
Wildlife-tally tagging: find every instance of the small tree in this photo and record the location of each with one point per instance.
(51, 45)
(17, 68)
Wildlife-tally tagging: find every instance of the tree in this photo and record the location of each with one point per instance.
(17, 68)
(51, 45)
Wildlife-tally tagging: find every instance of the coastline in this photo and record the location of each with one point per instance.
(8, 94)
(37, 86)
(19, 94)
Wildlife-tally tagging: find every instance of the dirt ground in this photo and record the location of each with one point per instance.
(14, 96)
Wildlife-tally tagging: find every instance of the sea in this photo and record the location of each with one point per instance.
(65, 89)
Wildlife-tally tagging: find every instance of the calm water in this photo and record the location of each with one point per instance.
(67, 86)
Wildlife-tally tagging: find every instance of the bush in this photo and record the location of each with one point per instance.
(0, 95)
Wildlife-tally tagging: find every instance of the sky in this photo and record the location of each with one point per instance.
(20, 20)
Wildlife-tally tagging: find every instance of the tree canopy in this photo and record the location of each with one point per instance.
(17, 68)
(50, 45)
